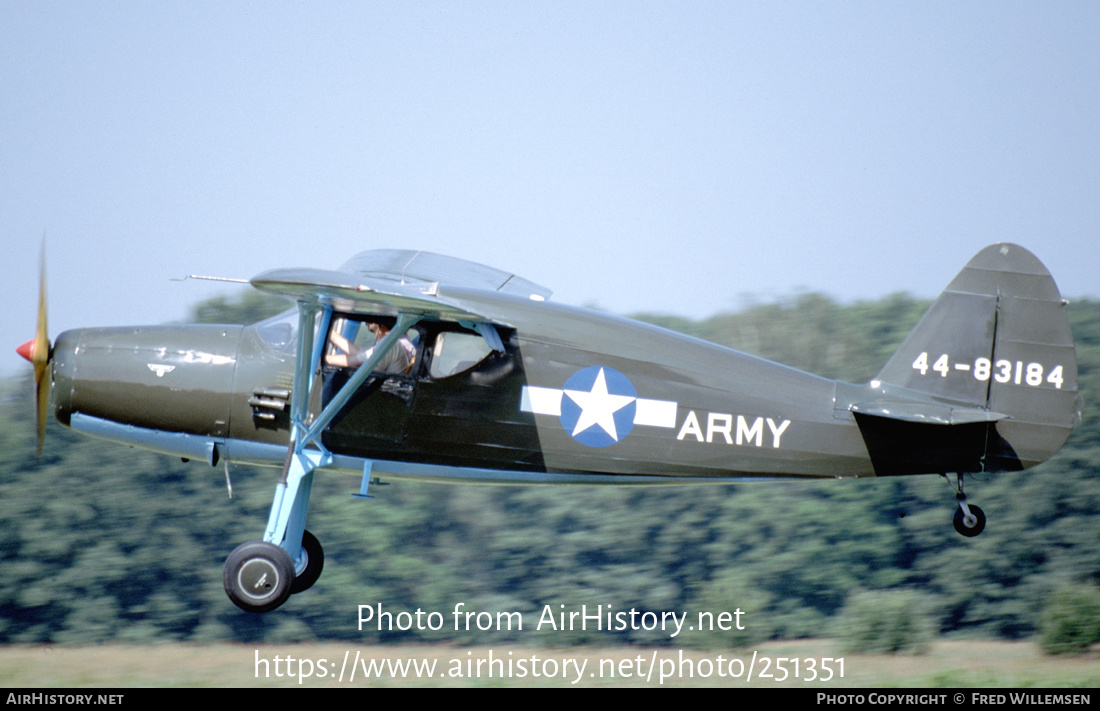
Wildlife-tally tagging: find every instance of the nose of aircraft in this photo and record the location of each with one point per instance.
(175, 379)
(27, 350)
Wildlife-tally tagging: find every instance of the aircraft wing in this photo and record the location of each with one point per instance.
(390, 281)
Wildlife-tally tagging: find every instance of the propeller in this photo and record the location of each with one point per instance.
(37, 351)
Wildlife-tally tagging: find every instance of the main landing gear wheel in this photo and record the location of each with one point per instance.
(315, 561)
(258, 576)
(971, 525)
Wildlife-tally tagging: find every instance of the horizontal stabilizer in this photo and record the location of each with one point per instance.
(926, 413)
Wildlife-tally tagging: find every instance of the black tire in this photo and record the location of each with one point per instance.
(315, 562)
(257, 576)
(978, 524)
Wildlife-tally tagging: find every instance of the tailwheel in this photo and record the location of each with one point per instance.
(314, 563)
(971, 522)
(258, 576)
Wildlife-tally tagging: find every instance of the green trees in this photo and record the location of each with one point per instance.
(886, 622)
(105, 543)
(1071, 620)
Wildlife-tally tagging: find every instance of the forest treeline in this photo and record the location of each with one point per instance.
(102, 543)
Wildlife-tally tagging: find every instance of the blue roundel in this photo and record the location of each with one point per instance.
(598, 406)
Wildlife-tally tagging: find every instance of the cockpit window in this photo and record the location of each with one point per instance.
(457, 351)
(280, 332)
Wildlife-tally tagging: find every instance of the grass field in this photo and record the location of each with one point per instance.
(957, 664)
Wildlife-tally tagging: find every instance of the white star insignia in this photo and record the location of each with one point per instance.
(598, 407)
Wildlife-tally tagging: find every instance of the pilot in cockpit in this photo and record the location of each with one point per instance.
(399, 359)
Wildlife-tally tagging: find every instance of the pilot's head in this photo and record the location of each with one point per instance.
(381, 325)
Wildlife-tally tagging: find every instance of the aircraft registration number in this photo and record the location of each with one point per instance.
(1001, 371)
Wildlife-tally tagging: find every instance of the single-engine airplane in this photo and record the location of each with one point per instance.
(496, 384)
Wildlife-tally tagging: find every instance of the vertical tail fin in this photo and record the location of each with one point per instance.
(998, 340)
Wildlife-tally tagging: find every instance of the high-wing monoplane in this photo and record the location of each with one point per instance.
(406, 364)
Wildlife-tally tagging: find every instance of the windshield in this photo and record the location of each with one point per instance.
(280, 332)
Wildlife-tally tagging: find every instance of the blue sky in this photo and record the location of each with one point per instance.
(640, 156)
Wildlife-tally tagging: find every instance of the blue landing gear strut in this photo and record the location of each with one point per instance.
(260, 576)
